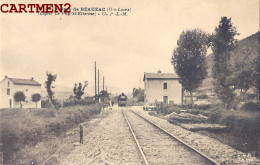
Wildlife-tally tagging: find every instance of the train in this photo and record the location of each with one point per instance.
(122, 100)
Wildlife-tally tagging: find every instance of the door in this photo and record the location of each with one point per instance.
(10, 103)
(165, 99)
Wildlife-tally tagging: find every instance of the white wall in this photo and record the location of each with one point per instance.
(154, 90)
(4, 98)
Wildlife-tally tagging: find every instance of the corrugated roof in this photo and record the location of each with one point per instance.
(160, 76)
(24, 81)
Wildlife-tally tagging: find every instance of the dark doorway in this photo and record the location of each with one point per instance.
(165, 99)
(10, 103)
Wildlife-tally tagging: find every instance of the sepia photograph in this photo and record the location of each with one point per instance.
(130, 82)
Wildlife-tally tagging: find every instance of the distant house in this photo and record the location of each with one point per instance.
(9, 86)
(162, 87)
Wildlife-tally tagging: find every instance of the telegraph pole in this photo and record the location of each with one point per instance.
(98, 84)
(103, 83)
(95, 81)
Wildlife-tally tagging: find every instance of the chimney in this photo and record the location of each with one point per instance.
(6, 77)
(32, 78)
(159, 71)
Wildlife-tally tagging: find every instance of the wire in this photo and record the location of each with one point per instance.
(59, 149)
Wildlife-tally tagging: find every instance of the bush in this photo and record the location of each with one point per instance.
(251, 106)
(204, 96)
(74, 102)
(193, 111)
(57, 103)
(186, 106)
(238, 121)
(168, 109)
(203, 106)
(46, 104)
(71, 102)
(28, 127)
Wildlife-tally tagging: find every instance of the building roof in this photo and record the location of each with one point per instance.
(24, 81)
(160, 76)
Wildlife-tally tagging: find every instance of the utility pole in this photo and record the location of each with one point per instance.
(98, 85)
(103, 83)
(95, 81)
(139, 82)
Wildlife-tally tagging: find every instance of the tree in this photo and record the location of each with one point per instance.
(244, 80)
(48, 85)
(104, 96)
(243, 73)
(138, 94)
(35, 98)
(256, 77)
(78, 91)
(223, 42)
(189, 59)
(19, 97)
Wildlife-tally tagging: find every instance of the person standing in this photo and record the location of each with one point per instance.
(110, 104)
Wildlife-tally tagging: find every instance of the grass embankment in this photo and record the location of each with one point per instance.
(243, 126)
(30, 135)
(243, 131)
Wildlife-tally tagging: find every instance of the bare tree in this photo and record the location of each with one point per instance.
(50, 79)
(79, 91)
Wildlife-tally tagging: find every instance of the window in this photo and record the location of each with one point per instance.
(165, 85)
(8, 91)
(26, 90)
(8, 84)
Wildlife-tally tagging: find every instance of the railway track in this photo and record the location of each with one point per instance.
(157, 146)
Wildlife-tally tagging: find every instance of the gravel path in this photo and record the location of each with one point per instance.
(109, 143)
(160, 148)
(213, 148)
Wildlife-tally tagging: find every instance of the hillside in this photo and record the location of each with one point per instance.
(62, 92)
(247, 50)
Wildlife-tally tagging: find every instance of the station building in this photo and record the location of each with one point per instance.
(9, 86)
(162, 87)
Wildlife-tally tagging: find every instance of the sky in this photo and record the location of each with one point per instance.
(123, 47)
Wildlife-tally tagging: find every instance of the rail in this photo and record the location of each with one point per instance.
(179, 140)
(136, 141)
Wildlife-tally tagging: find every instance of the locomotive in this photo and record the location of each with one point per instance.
(122, 100)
